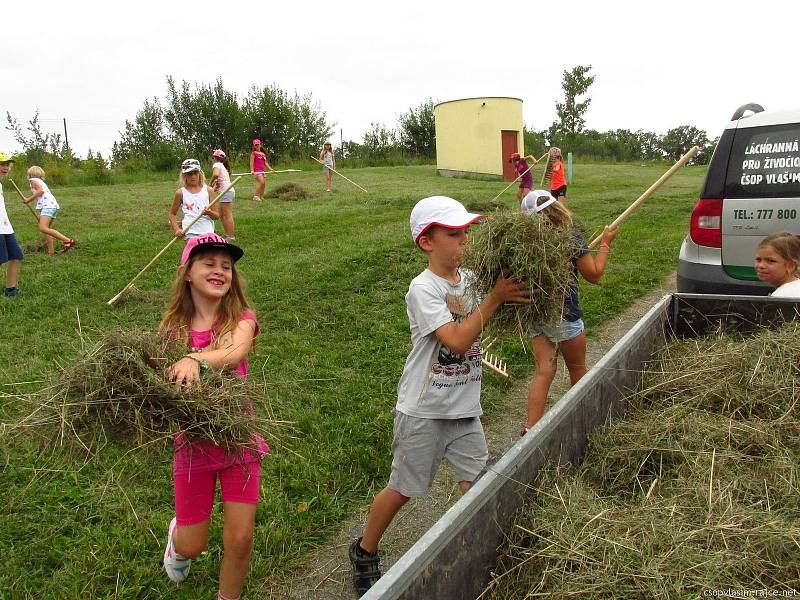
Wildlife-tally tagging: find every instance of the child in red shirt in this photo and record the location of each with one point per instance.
(558, 182)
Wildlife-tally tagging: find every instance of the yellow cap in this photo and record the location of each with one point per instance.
(5, 157)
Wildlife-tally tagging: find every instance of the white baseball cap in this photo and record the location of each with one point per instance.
(440, 211)
(530, 203)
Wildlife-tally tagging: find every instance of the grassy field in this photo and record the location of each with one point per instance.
(327, 277)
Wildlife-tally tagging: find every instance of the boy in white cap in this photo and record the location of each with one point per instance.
(10, 252)
(438, 396)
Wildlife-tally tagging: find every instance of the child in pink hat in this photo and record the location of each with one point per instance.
(258, 166)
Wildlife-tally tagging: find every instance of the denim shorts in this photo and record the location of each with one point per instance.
(561, 332)
(9, 248)
(48, 212)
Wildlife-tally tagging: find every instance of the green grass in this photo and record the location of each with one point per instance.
(327, 277)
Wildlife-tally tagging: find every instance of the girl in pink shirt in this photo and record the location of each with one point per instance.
(258, 166)
(209, 313)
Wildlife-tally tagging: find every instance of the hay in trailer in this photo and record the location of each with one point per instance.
(289, 192)
(696, 489)
(530, 249)
(118, 390)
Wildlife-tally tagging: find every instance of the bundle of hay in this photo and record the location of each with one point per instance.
(289, 191)
(696, 489)
(118, 389)
(529, 249)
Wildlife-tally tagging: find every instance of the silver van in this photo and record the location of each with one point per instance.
(752, 189)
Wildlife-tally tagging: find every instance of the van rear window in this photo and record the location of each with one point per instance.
(764, 162)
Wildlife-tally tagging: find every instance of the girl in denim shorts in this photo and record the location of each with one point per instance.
(567, 337)
(47, 206)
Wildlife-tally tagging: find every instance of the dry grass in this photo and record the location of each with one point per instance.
(529, 249)
(696, 489)
(288, 191)
(118, 390)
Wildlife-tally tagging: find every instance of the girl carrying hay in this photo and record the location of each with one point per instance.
(777, 258)
(568, 336)
(210, 314)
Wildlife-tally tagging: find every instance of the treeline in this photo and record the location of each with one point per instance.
(193, 121)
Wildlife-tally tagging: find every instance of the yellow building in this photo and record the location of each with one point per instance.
(476, 136)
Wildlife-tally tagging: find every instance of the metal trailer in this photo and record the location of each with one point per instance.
(454, 558)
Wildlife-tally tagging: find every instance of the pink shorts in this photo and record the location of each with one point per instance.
(194, 492)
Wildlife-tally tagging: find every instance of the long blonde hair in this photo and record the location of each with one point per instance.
(177, 319)
(182, 179)
(558, 215)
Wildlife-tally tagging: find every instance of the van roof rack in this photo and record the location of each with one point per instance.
(751, 106)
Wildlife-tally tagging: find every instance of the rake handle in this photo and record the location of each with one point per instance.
(339, 174)
(21, 195)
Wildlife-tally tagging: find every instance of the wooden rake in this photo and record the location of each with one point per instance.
(339, 174)
(492, 362)
(520, 176)
(21, 195)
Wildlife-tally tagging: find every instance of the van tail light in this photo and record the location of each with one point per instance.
(705, 228)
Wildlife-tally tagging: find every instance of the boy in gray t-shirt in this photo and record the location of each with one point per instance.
(438, 396)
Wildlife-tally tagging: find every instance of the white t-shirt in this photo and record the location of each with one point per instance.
(437, 384)
(223, 179)
(193, 205)
(46, 200)
(787, 290)
(5, 224)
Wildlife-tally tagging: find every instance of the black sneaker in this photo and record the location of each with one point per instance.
(365, 568)
(10, 291)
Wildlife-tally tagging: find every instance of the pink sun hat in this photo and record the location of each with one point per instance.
(206, 242)
(256, 141)
(218, 153)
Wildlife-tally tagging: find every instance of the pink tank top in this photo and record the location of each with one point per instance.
(259, 161)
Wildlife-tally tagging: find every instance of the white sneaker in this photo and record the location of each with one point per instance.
(175, 565)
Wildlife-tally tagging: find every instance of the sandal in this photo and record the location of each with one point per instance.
(68, 244)
(523, 431)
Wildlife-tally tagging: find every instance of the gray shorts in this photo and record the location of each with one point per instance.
(419, 445)
(227, 197)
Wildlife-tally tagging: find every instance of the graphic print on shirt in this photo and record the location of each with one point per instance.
(447, 362)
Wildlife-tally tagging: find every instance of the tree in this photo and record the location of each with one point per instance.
(418, 131)
(37, 144)
(140, 137)
(570, 112)
(678, 140)
(379, 141)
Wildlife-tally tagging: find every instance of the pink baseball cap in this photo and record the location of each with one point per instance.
(208, 241)
(439, 211)
(256, 141)
(218, 153)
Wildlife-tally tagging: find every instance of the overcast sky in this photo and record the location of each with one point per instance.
(657, 64)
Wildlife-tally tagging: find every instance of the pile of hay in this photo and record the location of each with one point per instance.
(529, 249)
(33, 246)
(118, 389)
(696, 489)
(289, 191)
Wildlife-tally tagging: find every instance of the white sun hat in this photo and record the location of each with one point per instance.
(439, 211)
(530, 203)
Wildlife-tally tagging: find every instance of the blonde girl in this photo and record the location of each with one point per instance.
(47, 206)
(209, 313)
(777, 258)
(329, 161)
(193, 199)
(568, 337)
(220, 179)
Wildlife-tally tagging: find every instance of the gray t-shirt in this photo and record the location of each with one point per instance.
(437, 384)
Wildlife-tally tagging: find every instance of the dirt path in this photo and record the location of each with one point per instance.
(327, 572)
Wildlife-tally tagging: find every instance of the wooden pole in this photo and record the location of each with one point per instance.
(651, 190)
(116, 298)
(544, 173)
(265, 172)
(536, 162)
(339, 174)
(21, 195)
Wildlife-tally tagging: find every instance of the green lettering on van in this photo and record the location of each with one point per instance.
(747, 273)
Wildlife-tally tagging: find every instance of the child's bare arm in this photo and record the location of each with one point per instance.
(458, 337)
(592, 267)
(173, 213)
(187, 369)
(212, 211)
(37, 191)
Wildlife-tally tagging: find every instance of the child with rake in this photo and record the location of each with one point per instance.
(568, 336)
(438, 396)
(220, 179)
(329, 161)
(777, 258)
(193, 198)
(10, 251)
(258, 166)
(210, 314)
(558, 182)
(521, 167)
(48, 207)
